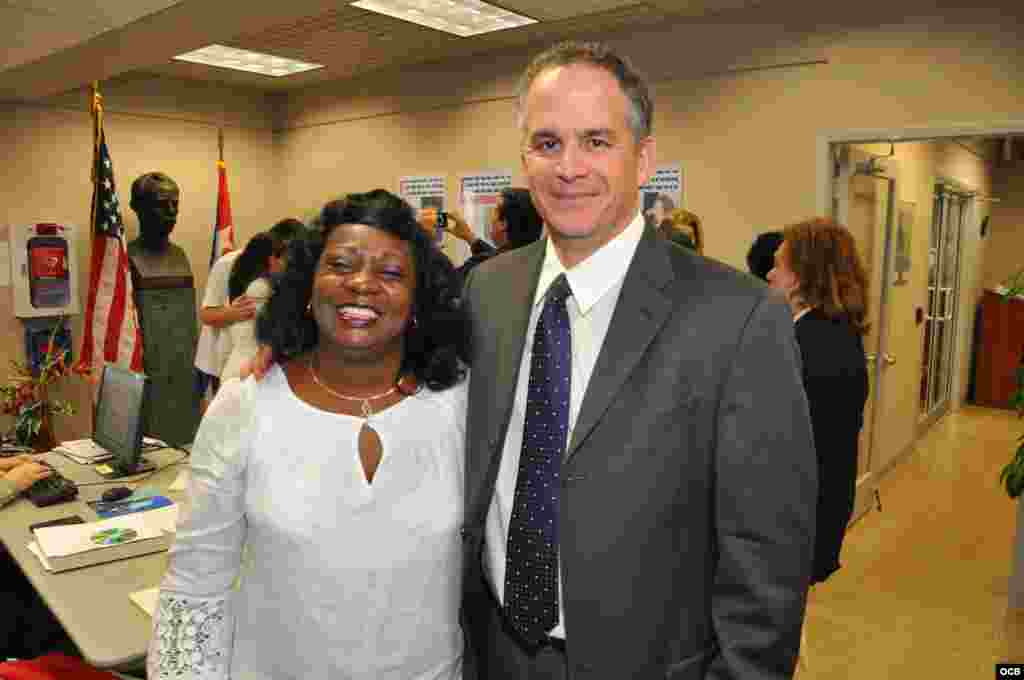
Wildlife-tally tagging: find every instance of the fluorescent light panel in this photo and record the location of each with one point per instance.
(459, 17)
(223, 56)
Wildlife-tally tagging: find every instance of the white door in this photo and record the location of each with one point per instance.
(951, 209)
(864, 200)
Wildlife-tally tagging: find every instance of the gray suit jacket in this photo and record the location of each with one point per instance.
(689, 487)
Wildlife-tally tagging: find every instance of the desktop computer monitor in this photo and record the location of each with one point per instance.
(121, 413)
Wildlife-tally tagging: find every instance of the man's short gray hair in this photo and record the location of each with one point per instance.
(600, 55)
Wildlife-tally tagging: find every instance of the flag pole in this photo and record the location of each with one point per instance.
(96, 110)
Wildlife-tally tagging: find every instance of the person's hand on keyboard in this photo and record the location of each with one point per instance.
(11, 462)
(27, 474)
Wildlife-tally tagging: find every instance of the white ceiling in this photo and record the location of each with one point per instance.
(60, 45)
(33, 29)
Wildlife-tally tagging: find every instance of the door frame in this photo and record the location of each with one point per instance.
(923, 133)
(887, 172)
(967, 218)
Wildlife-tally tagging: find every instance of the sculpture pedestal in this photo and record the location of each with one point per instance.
(169, 336)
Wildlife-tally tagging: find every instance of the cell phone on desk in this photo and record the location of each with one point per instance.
(73, 519)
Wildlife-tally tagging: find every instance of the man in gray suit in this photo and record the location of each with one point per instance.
(640, 467)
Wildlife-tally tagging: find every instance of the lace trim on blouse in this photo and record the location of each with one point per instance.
(193, 638)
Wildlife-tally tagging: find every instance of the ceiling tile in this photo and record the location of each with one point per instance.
(351, 42)
(545, 10)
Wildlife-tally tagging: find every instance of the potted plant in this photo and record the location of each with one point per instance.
(26, 397)
(1012, 476)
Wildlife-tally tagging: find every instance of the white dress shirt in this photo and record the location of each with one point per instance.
(596, 283)
(214, 344)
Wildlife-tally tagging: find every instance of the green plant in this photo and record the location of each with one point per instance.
(1014, 285)
(1012, 476)
(26, 394)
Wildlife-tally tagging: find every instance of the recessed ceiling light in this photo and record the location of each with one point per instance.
(223, 56)
(459, 17)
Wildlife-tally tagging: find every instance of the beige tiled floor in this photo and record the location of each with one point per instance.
(923, 588)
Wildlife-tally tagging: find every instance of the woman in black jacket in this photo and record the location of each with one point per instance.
(819, 272)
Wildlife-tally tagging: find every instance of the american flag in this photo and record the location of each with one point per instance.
(112, 333)
(223, 228)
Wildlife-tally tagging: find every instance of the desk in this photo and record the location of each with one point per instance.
(92, 603)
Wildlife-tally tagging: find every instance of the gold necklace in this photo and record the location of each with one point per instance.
(367, 411)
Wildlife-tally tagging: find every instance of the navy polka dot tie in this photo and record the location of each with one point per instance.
(531, 568)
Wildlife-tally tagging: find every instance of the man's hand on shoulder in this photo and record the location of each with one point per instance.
(259, 365)
(243, 308)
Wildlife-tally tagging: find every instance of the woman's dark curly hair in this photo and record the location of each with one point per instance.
(253, 262)
(436, 347)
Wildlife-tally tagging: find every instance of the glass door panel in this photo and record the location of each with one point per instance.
(950, 213)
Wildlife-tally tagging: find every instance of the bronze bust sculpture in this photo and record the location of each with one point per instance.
(156, 262)
(166, 305)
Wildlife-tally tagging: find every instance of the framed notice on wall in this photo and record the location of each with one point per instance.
(43, 269)
(424, 191)
(902, 244)
(478, 196)
(662, 193)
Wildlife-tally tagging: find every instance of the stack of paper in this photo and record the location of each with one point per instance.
(87, 452)
(80, 545)
(83, 451)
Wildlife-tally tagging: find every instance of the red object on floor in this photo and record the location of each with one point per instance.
(52, 667)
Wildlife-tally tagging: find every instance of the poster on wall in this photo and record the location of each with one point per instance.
(662, 193)
(904, 229)
(39, 332)
(430, 191)
(478, 196)
(424, 191)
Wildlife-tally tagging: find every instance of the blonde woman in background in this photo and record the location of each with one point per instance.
(683, 227)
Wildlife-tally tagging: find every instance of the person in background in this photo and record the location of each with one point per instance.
(27, 627)
(761, 256)
(433, 222)
(219, 311)
(682, 227)
(340, 472)
(517, 219)
(818, 271)
(515, 223)
(659, 211)
(263, 257)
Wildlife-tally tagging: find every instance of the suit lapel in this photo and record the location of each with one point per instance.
(513, 295)
(512, 328)
(641, 310)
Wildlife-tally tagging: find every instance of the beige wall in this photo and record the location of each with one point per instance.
(741, 103)
(746, 135)
(746, 139)
(1006, 236)
(151, 124)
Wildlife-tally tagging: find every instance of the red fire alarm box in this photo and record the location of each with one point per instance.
(43, 270)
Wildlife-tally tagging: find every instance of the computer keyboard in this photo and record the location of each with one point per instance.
(51, 490)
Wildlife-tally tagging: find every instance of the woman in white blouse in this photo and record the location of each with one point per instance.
(263, 256)
(320, 539)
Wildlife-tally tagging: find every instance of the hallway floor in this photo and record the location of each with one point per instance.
(923, 588)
